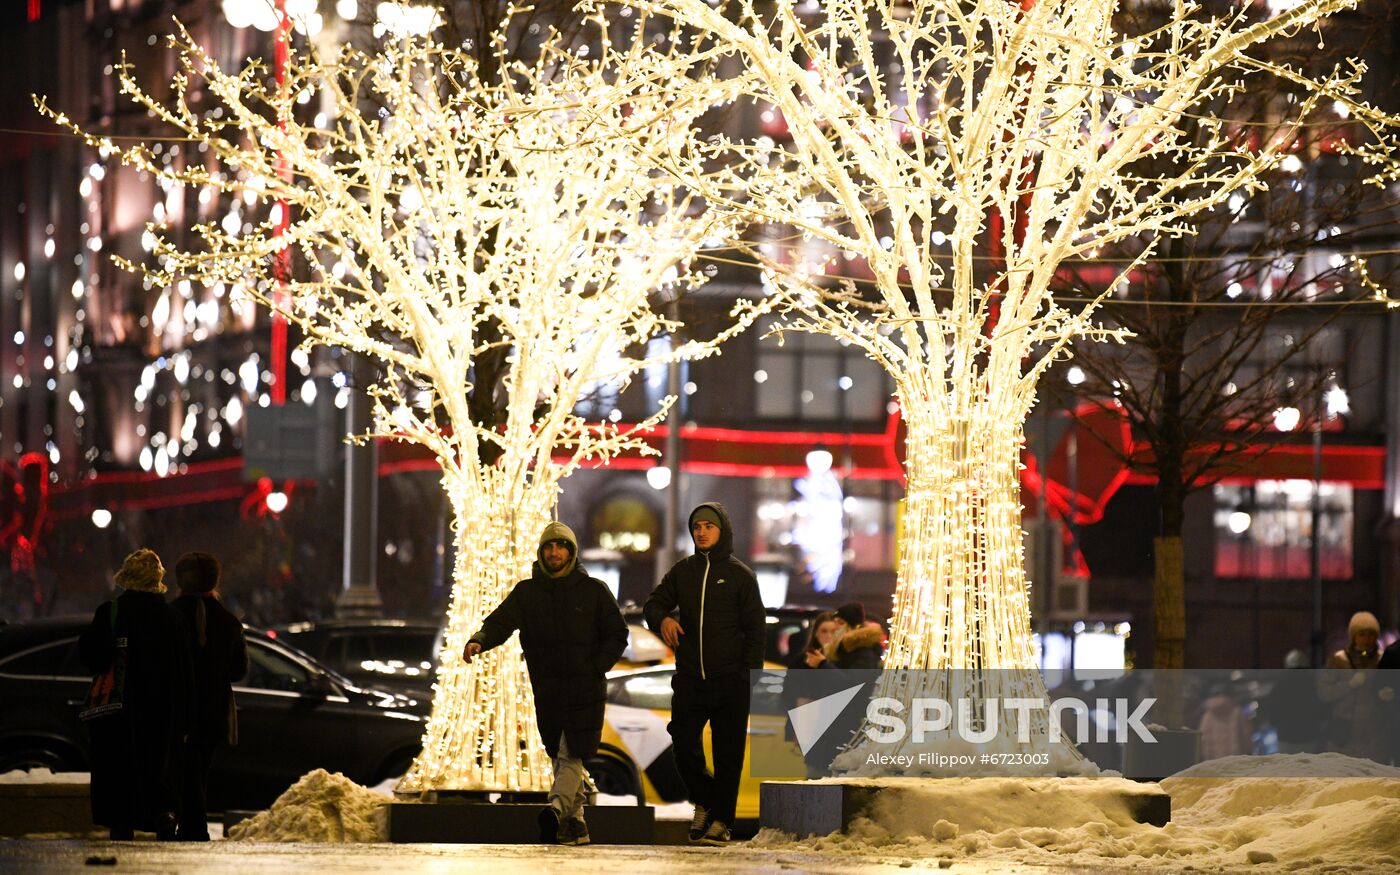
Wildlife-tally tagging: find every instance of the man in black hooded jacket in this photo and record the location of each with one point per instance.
(572, 633)
(718, 640)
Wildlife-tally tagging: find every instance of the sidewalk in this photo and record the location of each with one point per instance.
(22, 857)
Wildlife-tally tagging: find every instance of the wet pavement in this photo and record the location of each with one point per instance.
(248, 858)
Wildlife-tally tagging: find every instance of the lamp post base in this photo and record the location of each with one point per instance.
(359, 601)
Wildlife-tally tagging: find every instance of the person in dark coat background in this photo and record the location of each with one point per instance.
(1390, 659)
(220, 658)
(855, 647)
(858, 644)
(802, 684)
(1292, 707)
(718, 640)
(572, 633)
(136, 748)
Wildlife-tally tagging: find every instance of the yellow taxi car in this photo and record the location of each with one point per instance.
(635, 757)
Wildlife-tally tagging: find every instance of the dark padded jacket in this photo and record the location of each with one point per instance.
(572, 633)
(720, 610)
(220, 660)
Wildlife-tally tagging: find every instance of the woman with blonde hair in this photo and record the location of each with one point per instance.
(141, 703)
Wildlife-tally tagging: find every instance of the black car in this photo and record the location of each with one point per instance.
(393, 654)
(294, 716)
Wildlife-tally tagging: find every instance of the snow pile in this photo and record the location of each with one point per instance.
(1253, 818)
(1343, 812)
(321, 807)
(44, 776)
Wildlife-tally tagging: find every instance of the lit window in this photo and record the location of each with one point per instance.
(806, 378)
(1265, 530)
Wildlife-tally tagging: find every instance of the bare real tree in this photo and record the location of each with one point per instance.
(1226, 327)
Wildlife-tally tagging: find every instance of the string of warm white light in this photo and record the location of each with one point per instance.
(437, 219)
(902, 113)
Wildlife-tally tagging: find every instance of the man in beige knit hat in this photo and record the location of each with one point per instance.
(571, 632)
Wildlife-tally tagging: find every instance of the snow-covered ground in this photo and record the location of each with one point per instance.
(1263, 817)
(44, 776)
(1264, 814)
(242, 858)
(325, 807)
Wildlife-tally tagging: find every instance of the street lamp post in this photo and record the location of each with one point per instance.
(1314, 541)
(359, 590)
(666, 549)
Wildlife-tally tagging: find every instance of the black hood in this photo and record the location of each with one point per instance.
(725, 546)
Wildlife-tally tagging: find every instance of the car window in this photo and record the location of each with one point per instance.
(269, 670)
(357, 650)
(648, 690)
(311, 642)
(643, 645)
(57, 659)
(412, 649)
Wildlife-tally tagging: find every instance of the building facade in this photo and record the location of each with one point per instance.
(123, 410)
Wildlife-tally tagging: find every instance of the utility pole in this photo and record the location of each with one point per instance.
(666, 550)
(359, 594)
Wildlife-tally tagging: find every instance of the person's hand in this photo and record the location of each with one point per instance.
(472, 649)
(1358, 680)
(671, 632)
(815, 658)
(1386, 694)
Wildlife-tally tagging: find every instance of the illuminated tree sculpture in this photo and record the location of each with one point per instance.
(434, 218)
(927, 135)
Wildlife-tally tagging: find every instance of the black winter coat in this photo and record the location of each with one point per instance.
(136, 773)
(572, 633)
(220, 659)
(721, 612)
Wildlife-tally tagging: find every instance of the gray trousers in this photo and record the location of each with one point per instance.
(571, 785)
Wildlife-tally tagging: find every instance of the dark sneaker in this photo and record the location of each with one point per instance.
(549, 826)
(717, 836)
(573, 832)
(165, 827)
(699, 823)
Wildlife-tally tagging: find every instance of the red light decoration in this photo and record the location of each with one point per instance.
(24, 510)
(1102, 434)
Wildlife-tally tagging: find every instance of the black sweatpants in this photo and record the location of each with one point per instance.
(722, 702)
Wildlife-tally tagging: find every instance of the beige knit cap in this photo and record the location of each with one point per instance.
(1362, 620)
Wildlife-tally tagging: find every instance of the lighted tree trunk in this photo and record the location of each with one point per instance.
(483, 713)
(962, 515)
